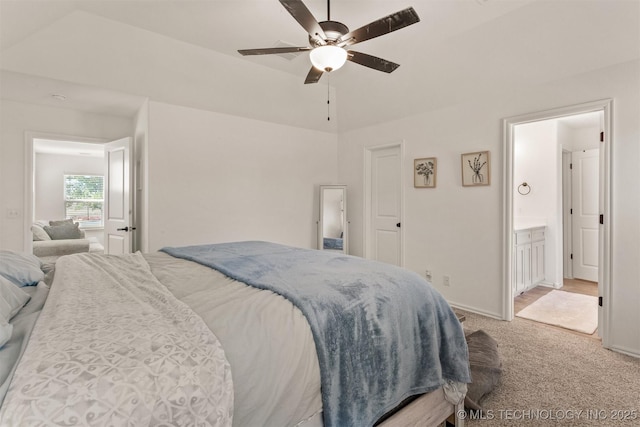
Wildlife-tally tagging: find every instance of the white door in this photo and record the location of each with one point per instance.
(586, 169)
(118, 226)
(384, 236)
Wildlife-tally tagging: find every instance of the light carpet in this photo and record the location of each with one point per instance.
(565, 309)
(552, 377)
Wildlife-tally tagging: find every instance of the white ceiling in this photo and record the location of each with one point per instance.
(107, 56)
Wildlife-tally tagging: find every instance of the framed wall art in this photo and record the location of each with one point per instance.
(476, 169)
(424, 172)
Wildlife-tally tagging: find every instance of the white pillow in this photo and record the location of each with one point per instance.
(12, 299)
(38, 233)
(21, 268)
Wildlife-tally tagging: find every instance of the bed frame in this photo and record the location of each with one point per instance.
(430, 409)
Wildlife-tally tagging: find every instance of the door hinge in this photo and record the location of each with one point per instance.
(601, 136)
(600, 301)
(571, 256)
(601, 219)
(571, 211)
(570, 165)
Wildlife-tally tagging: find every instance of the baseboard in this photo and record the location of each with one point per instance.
(476, 310)
(625, 350)
(550, 285)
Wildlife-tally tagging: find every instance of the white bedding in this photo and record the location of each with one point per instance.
(112, 346)
(278, 383)
(161, 317)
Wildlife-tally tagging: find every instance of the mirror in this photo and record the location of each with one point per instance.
(332, 226)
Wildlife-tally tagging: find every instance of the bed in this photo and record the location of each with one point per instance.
(199, 335)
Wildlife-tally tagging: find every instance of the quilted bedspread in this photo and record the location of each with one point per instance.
(114, 347)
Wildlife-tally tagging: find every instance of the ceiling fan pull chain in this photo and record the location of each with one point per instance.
(328, 93)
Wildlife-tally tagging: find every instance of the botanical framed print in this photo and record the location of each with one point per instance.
(476, 169)
(424, 172)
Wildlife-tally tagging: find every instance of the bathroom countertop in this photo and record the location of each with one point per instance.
(519, 225)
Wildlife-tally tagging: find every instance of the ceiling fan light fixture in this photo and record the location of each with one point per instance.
(328, 57)
(329, 40)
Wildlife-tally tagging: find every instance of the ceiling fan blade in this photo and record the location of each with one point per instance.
(273, 50)
(313, 76)
(371, 61)
(382, 26)
(300, 13)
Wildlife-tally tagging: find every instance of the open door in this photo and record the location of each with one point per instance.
(595, 169)
(118, 225)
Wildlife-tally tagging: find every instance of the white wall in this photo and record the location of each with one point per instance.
(537, 161)
(450, 230)
(49, 180)
(458, 231)
(16, 118)
(573, 139)
(215, 178)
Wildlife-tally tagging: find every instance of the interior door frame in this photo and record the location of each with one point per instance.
(29, 176)
(604, 235)
(366, 235)
(567, 223)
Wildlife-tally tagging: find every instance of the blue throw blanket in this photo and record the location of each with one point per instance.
(382, 333)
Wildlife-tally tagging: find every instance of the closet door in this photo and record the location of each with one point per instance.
(384, 235)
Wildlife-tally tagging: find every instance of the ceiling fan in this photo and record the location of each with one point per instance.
(329, 40)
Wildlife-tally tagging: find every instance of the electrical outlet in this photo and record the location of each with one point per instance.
(446, 280)
(13, 213)
(428, 274)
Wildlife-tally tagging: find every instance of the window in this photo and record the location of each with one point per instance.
(84, 199)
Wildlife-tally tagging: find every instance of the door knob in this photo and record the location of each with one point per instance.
(123, 229)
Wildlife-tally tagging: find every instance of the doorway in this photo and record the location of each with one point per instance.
(383, 240)
(548, 211)
(583, 214)
(51, 161)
